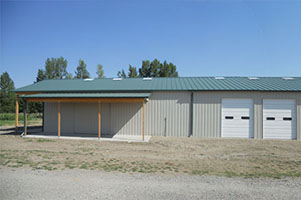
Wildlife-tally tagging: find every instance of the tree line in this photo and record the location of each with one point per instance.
(150, 69)
(56, 68)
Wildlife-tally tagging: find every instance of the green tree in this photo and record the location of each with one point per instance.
(55, 68)
(68, 76)
(41, 75)
(132, 72)
(121, 74)
(168, 70)
(155, 66)
(7, 96)
(81, 70)
(145, 70)
(60, 68)
(151, 69)
(100, 72)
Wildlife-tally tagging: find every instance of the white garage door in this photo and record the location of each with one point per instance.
(279, 119)
(237, 118)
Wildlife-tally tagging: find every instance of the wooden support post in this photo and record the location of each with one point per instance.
(43, 119)
(58, 119)
(25, 118)
(143, 112)
(17, 114)
(99, 121)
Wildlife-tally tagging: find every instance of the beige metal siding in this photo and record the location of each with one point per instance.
(126, 118)
(167, 114)
(67, 117)
(105, 109)
(50, 117)
(85, 120)
(207, 110)
(76, 118)
(298, 119)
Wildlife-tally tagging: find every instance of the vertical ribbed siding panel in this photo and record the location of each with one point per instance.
(50, 117)
(168, 111)
(67, 118)
(105, 110)
(126, 118)
(85, 118)
(258, 124)
(206, 115)
(207, 110)
(298, 120)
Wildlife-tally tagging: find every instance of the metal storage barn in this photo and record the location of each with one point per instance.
(203, 107)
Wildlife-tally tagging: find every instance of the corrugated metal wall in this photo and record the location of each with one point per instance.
(77, 118)
(166, 114)
(50, 117)
(207, 110)
(126, 118)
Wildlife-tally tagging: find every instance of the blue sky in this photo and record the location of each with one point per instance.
(202, 38)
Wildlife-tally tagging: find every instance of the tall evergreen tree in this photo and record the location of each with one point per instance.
(121, 74)
(81, 70)
(155, 68)
(168, 70)
(145, 70)
(68, 76)
(152, 69)
(132, 72)
(55, 68)
(41, 75)
(7, 96)
(60, 68)
(100, 72)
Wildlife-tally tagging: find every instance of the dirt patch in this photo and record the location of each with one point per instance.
(226, 157)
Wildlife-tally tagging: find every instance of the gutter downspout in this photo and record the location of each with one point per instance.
(191, 116)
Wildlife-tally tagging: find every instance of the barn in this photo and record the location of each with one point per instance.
(202, 107)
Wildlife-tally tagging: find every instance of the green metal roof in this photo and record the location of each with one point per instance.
(166, 84)
(88, 95)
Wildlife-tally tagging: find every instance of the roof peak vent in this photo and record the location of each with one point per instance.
(147, 78)
(288, 78)
(219, 78)
(117, 79)
(88, 79)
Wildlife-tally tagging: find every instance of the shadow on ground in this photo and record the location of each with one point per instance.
(12, 130)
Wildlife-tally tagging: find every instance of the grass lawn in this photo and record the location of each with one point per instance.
(8, 119)
(166, 155)
(12, 122)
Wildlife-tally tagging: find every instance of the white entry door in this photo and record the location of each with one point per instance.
(237, 118)
(279, 119)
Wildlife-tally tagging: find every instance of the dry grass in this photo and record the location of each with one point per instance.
(225, 157)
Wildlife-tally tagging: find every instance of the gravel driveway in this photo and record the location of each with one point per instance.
(23, 183)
